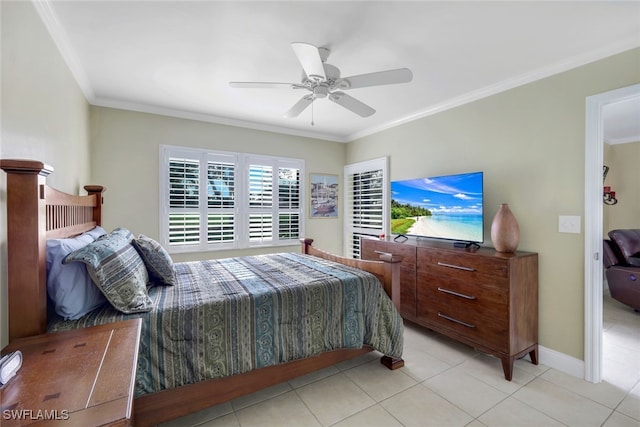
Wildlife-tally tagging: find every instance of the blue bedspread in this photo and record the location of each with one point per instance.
(229, 316)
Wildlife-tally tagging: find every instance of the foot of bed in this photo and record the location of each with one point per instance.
(392, 362)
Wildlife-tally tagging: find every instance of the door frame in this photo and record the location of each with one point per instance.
(593, 231)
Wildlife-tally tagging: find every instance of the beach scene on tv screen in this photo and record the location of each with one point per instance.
(446, 207)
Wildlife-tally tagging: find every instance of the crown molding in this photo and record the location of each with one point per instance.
(61, 40)
(209, 118)
(616, 141)
(539, 74)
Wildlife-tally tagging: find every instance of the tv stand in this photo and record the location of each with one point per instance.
(483, 298)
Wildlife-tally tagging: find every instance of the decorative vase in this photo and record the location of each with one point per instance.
(505, 232)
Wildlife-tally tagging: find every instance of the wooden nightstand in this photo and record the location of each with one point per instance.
(84, 377)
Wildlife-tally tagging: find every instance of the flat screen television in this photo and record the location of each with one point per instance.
(442, 207)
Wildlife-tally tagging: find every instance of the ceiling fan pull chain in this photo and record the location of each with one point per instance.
(314, 98)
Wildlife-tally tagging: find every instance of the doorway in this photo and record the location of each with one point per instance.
(593, 270)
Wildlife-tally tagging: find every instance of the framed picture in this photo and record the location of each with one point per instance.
(324, 196)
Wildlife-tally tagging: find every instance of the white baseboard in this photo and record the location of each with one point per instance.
(560, 361)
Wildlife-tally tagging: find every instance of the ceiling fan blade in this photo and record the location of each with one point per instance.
(299, 106)
(401, 75)
(310, 59)
(352, 104)
(261, 85)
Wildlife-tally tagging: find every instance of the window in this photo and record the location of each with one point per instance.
(367, 203)
(275, 204)
(219, 200)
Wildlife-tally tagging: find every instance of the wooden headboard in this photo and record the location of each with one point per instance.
(36, 212)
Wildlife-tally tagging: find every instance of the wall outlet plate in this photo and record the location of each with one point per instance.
(569, 224)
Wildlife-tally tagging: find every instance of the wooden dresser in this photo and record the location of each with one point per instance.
(483, 298)
(84, 377)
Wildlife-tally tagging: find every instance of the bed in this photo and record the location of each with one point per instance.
(37, 212)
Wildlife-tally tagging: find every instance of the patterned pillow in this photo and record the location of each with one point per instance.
(117, 269)
(157, 259)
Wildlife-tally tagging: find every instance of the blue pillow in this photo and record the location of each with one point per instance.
(96, 232)
(70, 287)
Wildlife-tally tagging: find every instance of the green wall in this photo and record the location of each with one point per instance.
(530, 143)
(125, 158)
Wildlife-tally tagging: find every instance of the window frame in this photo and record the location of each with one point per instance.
(241, 210)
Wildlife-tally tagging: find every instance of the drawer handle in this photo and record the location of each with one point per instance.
(383, 253)
(458, 294)
(444, 316)
(459, 267)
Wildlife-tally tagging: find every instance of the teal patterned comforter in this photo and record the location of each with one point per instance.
(228, 316)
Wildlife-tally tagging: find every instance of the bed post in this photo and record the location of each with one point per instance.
(306, 243)
(97, 209)
(392, 286)
(26, 242)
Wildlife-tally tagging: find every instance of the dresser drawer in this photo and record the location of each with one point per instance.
(465, 267)
(486, 331)
(460, 296)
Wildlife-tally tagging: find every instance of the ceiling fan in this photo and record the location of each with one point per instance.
(323, 81)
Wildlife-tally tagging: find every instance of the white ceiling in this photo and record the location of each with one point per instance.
(177, 57)
(622, 122)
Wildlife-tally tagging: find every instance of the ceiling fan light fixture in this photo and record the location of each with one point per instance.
(321, 91)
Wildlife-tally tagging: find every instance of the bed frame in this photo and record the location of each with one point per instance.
(37, 212)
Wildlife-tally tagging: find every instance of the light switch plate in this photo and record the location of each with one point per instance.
(569, 224)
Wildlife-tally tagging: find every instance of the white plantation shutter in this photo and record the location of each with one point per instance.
(184, 201)
(275, 208)
(260, 203)
(366, 207)
(289, 203)
(201, 200)
(222, 200)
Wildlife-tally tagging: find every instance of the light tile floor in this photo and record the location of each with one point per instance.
(445, 383)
